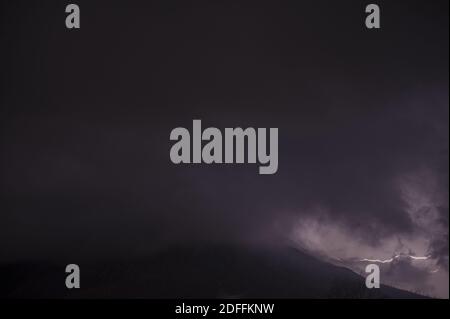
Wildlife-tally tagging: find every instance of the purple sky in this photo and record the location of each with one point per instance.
(362, 118)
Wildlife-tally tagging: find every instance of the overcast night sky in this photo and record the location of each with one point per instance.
(362, 116)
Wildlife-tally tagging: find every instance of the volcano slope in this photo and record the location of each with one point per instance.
(196, 271)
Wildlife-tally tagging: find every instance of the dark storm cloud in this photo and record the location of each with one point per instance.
(86, 119)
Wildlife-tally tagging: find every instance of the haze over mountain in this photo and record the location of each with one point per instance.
(215, 271)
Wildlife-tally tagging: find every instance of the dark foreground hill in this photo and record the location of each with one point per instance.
(196, 272)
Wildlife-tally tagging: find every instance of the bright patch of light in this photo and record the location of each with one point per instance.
(393, 258)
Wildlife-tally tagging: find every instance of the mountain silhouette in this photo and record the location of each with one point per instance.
(196, 271)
